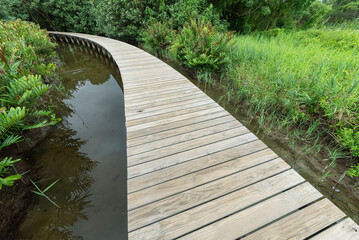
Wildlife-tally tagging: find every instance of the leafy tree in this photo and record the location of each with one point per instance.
(344, 10)
(249, 15)
(123, 19)
(60, 15)
(316, 15)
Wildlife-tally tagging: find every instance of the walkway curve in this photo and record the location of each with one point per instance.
(195, 172)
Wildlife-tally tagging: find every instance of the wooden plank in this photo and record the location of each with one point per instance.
(192, 144)
(195, 218)
(151, 108)
(346, 229)
(173, 125)
(181, 157)
(151, 96)
(176, 119)
(162, 100)
(195, 179)
(185, 168)
(158, 88)
(156, 85)
(176, 108)
(175, 204)
(302, 223)
(168, 115)
(155, 93)
(189, 135)
(239, 224)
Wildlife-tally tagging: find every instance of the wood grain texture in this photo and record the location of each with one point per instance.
(239, 153)
(205, 214)
(302, 223)
(346, 229)
(242, 223)
(195, 172)
(180, 157)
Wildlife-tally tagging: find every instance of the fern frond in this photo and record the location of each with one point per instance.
(10, 140)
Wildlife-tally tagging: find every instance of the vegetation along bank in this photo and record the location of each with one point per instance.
(26, 77)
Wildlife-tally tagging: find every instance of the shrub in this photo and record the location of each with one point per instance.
(183, 11)
(24, 53)
(158, 37)
(201, 46)
(60, 15)
(125, 20)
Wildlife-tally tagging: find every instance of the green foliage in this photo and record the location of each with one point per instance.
(349, 137)
(125, 20)
(304, 78)
(251, 15)
(183, 11)
(12, 10)
(201, 46)
(345, 40)
(353, 171)
(158, 37)
(24, 53)
(315, 16)
(42, 193)
(60, 15)
(4, 165)
(344, 10)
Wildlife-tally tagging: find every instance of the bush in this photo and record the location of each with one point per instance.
(183, 11)
(60, 15)
(125, 20)
(201, 46)
(24, 53)
(158, 37)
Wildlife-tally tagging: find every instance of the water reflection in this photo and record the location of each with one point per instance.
(87, 151)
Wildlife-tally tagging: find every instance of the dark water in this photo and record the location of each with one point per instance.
(87, 152)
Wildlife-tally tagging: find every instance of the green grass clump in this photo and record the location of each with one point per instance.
(25, 51)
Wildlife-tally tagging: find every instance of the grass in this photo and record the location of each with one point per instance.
(304, 78)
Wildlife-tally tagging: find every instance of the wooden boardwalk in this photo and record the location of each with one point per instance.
(195, 172)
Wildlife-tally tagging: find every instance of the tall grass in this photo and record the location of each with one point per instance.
(307, 78)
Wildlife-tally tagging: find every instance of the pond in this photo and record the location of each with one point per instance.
(86, 151)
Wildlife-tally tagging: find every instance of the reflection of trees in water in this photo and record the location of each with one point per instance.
(60, 157)
(86, 64)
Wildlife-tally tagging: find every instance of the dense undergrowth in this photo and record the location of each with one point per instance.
(25, 53)
(303, 82)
